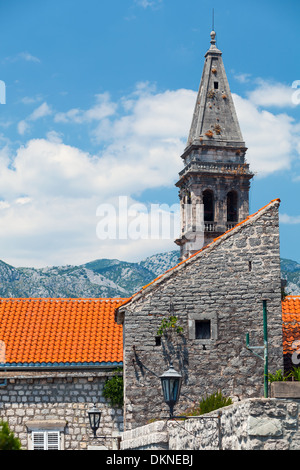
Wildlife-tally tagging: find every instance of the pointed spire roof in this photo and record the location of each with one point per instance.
(215, 118)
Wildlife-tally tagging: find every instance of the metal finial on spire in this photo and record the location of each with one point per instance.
(213, 38)
(213, 33)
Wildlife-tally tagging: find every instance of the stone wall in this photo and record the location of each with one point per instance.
(253, 424)
(224, 285)
(58, 400)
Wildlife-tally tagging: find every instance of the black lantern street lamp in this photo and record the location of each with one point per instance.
(94, 418)
(171, 385)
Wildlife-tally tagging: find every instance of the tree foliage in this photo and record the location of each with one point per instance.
(210, 403)
(113, 389)
(7, 439)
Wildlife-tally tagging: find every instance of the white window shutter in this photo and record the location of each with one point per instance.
(38, 440)
(46, 440)
(53, 440)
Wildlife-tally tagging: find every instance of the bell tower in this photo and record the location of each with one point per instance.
(214, 184)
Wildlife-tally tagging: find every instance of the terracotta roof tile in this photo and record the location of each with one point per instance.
(291, 324)
(60, 331)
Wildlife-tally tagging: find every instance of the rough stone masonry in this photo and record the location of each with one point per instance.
(60, 400)
(222, 286)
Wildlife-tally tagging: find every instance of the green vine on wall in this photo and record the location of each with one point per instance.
(113, 389)
(169, 324)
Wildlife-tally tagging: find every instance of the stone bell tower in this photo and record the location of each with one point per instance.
(214, 184)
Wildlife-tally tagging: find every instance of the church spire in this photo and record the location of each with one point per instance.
(214, 184)
(215, 118)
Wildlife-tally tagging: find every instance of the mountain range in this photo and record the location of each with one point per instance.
(100, 278)
(290, 271)
(103, 278)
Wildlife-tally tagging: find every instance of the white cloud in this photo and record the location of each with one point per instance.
(272, 94)
(23, 126)
(23, 200)
(31, 100)
(289, 219)
(23, 56)
(50, 191)
(53, 190)
(70, 116)
(42, 111)
(103, 108)
(149, 116)
(148, 3)
(4, 205)
(28, 57)
(243, 77)
(54, 136)
(272, 139)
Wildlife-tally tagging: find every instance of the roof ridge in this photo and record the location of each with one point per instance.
(250, 217)
(62, 299)
(291, 296)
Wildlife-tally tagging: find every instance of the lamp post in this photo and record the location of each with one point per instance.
(94, 419)
(171, 385)
(264, 347)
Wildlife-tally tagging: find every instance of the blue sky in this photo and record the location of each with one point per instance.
(99, 100)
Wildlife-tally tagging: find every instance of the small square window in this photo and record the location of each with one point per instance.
(202, 329)
(216, 85)
(203, 326)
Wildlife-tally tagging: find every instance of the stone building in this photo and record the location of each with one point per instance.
(56, 355)
(216, 295)
(230, 262)
(214, 184)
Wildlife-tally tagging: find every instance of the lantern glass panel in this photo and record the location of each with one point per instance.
(94, 418)
(174, 388)
(171, 385)
(166, 390)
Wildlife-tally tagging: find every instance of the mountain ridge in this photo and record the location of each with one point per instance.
(104, 278)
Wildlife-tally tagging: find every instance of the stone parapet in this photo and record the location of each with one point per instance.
(252, 424)
(148, 437)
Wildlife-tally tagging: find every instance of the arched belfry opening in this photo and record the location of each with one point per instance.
(208, 202)
(232, 207)
(188, 199)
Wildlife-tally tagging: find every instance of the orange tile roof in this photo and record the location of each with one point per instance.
(291, 324)
(60, 331)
